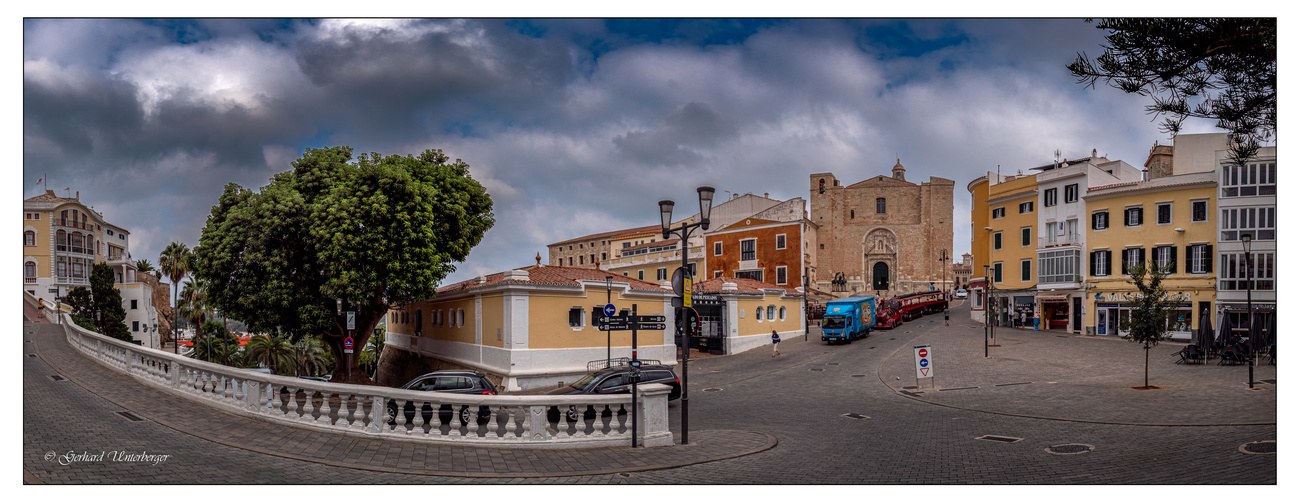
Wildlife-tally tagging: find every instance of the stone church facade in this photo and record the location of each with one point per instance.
(883, 235)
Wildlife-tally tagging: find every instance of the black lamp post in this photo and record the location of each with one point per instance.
(609, 299)
(943, 258)
(1250, 310)
(683, 329)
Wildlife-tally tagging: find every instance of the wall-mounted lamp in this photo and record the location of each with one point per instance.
(1178, 230)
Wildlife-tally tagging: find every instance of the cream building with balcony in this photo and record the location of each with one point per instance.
(63, 239)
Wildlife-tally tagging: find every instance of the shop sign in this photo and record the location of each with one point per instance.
(1130, 296)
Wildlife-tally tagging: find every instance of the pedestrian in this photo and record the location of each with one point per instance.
(1023, 324)
(945, 315)
(40, 304)
(776, 339)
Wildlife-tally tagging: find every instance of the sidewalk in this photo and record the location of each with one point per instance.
(1064, 376)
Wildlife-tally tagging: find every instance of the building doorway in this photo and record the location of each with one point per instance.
(880, 276)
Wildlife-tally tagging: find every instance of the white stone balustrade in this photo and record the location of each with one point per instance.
(488, 420)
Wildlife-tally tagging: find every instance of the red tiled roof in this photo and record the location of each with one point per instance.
(552, 275)
(606, 235)
(714, 285)
(49, 195)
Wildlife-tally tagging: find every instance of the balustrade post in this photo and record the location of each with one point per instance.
(535, 423)
(378, 415)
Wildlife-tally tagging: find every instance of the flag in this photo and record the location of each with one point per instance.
(42, 179)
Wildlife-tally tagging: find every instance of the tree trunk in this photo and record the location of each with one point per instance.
(346, 366)
(1146, 375)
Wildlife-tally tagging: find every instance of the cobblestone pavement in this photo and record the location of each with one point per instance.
(781, 420)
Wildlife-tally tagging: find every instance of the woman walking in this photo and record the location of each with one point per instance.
(776, 339)
(945, 315)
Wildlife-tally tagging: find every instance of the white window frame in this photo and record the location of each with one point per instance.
(582, 318)
(1169, 204)
(1093, 221)
(1026, 236)
(1197, 252)
(1049, 197)
(1097, 258)
(781, 275)
(1192, 215)
(1069, 192)
(661, 274)
(1128, 259)
(758, 314)
(780, 241)
(1026, 207)
(752, 241)
(1157, 254)
(1129, 213)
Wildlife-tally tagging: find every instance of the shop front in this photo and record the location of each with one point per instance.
(1054, 312)
(1112, 310)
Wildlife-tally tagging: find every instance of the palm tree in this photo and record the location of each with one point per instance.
(310, 357)
(274, 351)
(175, 262)
(144, 266)
(370, 353)
(194, 303)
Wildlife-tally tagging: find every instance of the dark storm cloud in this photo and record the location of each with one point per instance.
(95, 111)
(677, 141)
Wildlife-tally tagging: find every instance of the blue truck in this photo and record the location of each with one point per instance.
(849, 318)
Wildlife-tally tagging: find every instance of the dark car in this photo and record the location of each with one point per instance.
(451, 381)
(614, 380)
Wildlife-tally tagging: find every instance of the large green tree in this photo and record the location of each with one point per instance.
(1149, 310)
(376, 232)
(1224, 69)
(175, 264)
(107, 301)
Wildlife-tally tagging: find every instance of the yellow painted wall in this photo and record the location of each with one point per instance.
(1149, 235)
(979, 215)
(1012, 252)
(493, 320)
(449, 329)
(750, 325)
(548, 322)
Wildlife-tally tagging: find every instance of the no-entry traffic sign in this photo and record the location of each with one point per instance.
(924, 363)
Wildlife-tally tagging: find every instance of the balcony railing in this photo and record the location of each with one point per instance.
(28, 280)
(73, 224)
(1066, 239)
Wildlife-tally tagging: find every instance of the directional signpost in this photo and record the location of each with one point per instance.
(924, 363)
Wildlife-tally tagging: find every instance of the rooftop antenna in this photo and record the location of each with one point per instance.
(1058, 155)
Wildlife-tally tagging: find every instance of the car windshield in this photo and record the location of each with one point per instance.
(585, 382)
(833, 322)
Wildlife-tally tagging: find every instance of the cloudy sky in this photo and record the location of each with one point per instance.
(574, 126)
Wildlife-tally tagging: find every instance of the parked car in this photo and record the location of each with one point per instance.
(960, 293)
(614, 380)
(449, 381)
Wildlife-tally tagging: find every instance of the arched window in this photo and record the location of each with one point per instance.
(29, 270)
(821, 186)
(29, 238)
(460, 317)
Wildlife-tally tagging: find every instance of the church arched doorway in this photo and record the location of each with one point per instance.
(880, 276)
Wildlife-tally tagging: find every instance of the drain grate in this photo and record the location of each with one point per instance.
(1259, 448)
(1000, 439)
(31, 355)
(130, 416)
(855, 416)
(1068, 449)
(57, 377)
(857, 376)
(910, 393)
(816, 369)
(713, 389)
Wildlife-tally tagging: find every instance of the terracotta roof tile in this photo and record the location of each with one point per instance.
(744, 285)
(551, 275)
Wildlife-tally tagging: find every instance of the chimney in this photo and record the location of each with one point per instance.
(479, 280)
(765, 195)
(728, 286)
(516, 275)
(1094, 152)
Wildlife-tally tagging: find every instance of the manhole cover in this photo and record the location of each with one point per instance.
(1068, 449)
(856, 416)
(1000, 439)
(713, 389)
(816, 369)
(1259, 448)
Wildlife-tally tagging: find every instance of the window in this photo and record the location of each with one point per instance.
(1253, 179)
(717, 248)
(747, 250)
(1058, 266)
(1132, 258)
(1025, 235)
(997, 272)
(29, 270)
(135, 326)
(575, 317)
(580, 260)
(1199, 258)
(771, 313)
(419, 321)
(1026, 207)
(1071, 193)
(880, 205)
(592, 258)
(29, 238)
(758, 314)
(780, 242)
(997, 240)
(133, 304)
(1100, 260)
(1026, 270)
(999, 212)
(640, 275)
(460, 317)
(1200, 210)
(1072, 230)
(1164, 213)
(1259, 222)
(603, 256)
(1233, 271)
(691, 267)
(570, 261)
(1049, 233)
(851, 214)
(780, 275)
(753, 275)
(1166, 257)
(1049, 197)
(717, 274)
(661, 274)
(1100, 220)
(1132, 216)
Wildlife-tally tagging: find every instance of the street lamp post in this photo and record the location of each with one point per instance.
(988, 300)
(943, 258)
(1250, 310)
(609, 299)
(683, 329)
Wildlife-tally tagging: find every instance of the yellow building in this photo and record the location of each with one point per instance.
(1013, 244)
(63, 239)
(1170, 220)
(742, 313)
(645, 255)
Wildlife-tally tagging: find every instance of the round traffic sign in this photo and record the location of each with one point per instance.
(922, 353)
(925, 363)
(610, 310)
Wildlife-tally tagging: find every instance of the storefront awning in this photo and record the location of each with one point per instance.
(1054, 298)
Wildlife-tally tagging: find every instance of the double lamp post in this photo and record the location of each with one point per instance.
(683, 328)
